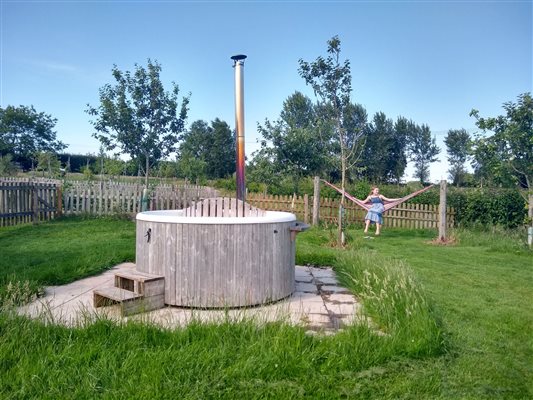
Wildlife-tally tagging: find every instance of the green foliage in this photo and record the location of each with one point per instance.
(138, 117)
(167, 169)
(423, 150)
(191, 168)
(114, 166)
(49, 162)
(230, 185)
(294, 143)
(505, 207)
(24, 132)
(261, 172)
(384, 153)
(331, 81)
(77, 161)
(210, 149)
(7, 166)
(458, 144)
(510, 149)
(88, 173)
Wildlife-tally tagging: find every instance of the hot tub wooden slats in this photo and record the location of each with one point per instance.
(222, 207)
(219, 265)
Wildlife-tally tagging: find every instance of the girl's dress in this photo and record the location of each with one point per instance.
(376, 211)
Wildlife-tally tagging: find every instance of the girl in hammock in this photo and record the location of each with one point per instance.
(375, 213)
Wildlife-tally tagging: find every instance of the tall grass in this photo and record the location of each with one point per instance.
(394, 299)
(228, 360)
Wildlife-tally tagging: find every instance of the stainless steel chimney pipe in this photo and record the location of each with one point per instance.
(239, 124)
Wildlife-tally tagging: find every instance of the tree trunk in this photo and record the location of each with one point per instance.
(146, 171)
(340, 228)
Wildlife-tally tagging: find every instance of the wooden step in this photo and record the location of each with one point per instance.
(113, 295)
(142, 283)
(130, 302)
(139, 276)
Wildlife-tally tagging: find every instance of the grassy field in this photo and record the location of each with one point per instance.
(458, 322)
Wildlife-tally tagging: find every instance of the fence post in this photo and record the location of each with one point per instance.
(306, 208)
(316, 201)
(442, 211)
(530, 215)
(59, 200)
(144, 200)
(34, 203)
(530, 208)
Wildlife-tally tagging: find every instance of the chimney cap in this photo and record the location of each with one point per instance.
(238, 57)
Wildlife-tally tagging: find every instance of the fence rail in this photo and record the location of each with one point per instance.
(27, 201)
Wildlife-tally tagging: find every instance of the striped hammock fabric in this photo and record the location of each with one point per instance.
(387, 204)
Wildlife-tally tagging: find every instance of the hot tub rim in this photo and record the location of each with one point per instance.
(177, 217)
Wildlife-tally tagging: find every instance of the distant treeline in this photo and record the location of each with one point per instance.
(76, 162)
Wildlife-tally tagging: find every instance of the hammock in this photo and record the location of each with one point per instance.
(387, 205)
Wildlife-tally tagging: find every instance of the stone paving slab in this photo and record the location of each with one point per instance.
(318, 306)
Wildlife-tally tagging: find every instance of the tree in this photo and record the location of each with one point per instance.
(114, 166)
(293, 142)
(423, 151)
(458, 144)
(138, 117)
(191, 167)
(378, 137)
(221, 160)
(168, 169)
(48, 161)
(262, 170)
(331, 81)
(7, 167)
(24, 132)
(511, 145)
(397, 157)
(214, 145)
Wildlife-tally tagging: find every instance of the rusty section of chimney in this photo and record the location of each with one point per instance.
(238, 65)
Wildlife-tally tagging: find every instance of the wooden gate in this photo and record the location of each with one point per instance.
(27, 201)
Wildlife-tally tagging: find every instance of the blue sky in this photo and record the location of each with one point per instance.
(429, 61)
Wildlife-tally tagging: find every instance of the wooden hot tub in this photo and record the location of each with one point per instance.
(219, 261)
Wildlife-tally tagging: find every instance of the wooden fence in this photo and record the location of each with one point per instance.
(31, 201)
(111, 198)
(406, 215)
(26, 201)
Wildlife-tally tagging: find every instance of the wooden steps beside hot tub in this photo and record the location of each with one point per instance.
(134, 291)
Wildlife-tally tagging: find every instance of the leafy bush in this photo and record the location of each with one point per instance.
(504, 207)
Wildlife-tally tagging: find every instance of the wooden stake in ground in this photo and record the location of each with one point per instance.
(530, 215)
(442, 211)
(316, 201)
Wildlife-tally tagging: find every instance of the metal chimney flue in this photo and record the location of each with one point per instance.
(238, 64)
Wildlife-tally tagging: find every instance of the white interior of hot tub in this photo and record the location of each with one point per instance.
(178, 217)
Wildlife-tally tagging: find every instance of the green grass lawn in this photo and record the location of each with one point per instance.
(458, 321)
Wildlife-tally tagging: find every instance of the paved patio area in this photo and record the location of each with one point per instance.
(318, 303)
